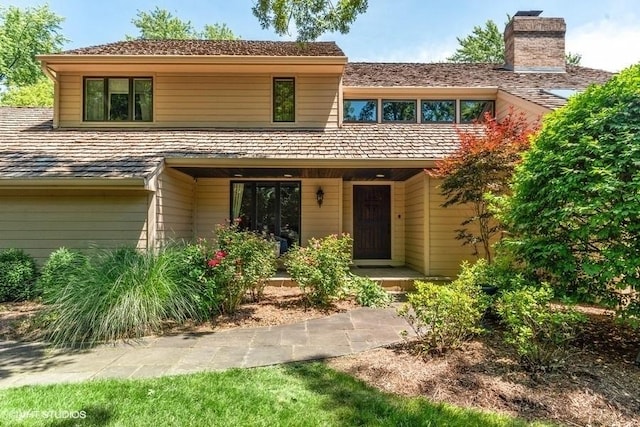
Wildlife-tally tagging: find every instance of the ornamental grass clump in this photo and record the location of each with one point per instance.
(321, 268)
(120, 293)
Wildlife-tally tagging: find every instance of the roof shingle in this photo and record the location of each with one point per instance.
(211, 48)
(30, 148)
(524, 85)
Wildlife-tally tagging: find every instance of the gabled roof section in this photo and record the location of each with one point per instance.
(529, 86)
(211, 48)
(31, 149)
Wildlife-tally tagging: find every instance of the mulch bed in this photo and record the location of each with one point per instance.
(279, 305)
(600, 386)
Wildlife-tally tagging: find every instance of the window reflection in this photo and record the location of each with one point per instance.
(438, 111)
(269, 207)
(398, 111)
(474, 111)
(360, 110)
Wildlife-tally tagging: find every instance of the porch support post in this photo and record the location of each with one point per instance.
(426, 180)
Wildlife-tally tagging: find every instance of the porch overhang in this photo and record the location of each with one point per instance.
(348, 170)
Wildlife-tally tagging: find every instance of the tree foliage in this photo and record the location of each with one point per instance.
(39, 94)
(217, 32)
(575, 209)
(160, 24)
(311, 18)
(25, 33)
(483, 164)
(486, 44)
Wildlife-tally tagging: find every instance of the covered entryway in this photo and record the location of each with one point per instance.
(372, 222)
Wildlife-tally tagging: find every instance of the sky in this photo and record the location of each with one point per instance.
(605, 33)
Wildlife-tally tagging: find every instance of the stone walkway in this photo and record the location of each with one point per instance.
(336, 335)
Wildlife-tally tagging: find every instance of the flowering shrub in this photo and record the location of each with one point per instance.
(238, 262)
(321, 269)
(217, 259)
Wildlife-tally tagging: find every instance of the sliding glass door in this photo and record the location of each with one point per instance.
(271, 207)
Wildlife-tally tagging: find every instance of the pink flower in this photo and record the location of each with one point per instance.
(220, 255)
(214, 262)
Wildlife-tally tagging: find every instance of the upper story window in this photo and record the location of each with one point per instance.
(118, 99)
(361, 110)
(399, 111)
(438, 111)
(284, 99)
(474, 111)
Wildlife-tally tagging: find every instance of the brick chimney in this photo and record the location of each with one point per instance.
(534, 44)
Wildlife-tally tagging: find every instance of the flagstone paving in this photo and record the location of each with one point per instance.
(27, 363)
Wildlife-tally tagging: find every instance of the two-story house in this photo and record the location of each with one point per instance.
(156, 140)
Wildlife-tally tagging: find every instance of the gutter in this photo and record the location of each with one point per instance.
(51, 74)
(74, 183)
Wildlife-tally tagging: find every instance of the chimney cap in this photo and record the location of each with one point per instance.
(528, 13)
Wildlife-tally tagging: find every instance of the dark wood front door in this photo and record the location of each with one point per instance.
(371, 222)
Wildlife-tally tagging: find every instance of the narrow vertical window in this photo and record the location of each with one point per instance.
(118, 99)
(142, 100)
(94, 99)
(284, 99)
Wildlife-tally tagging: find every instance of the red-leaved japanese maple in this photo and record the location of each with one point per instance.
(483, 164)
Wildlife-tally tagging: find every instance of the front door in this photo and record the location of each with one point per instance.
(371, 222)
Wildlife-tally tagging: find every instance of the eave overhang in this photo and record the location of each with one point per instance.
(74, 183)
(193, 63)
(451, 91)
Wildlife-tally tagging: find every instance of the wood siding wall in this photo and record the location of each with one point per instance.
(175, 200)
(416, 223)
(321, 221)
(42, 221)
(397, 218)
(505, 101)
(446, 253)
(212, 205)
(199, 100)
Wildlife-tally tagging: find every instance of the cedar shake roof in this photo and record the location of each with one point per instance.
(31, 148)
(211, 48)
(528, 86)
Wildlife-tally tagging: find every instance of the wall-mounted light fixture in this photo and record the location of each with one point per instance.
(320, 196)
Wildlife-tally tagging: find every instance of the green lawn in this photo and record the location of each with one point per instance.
(308, 394)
